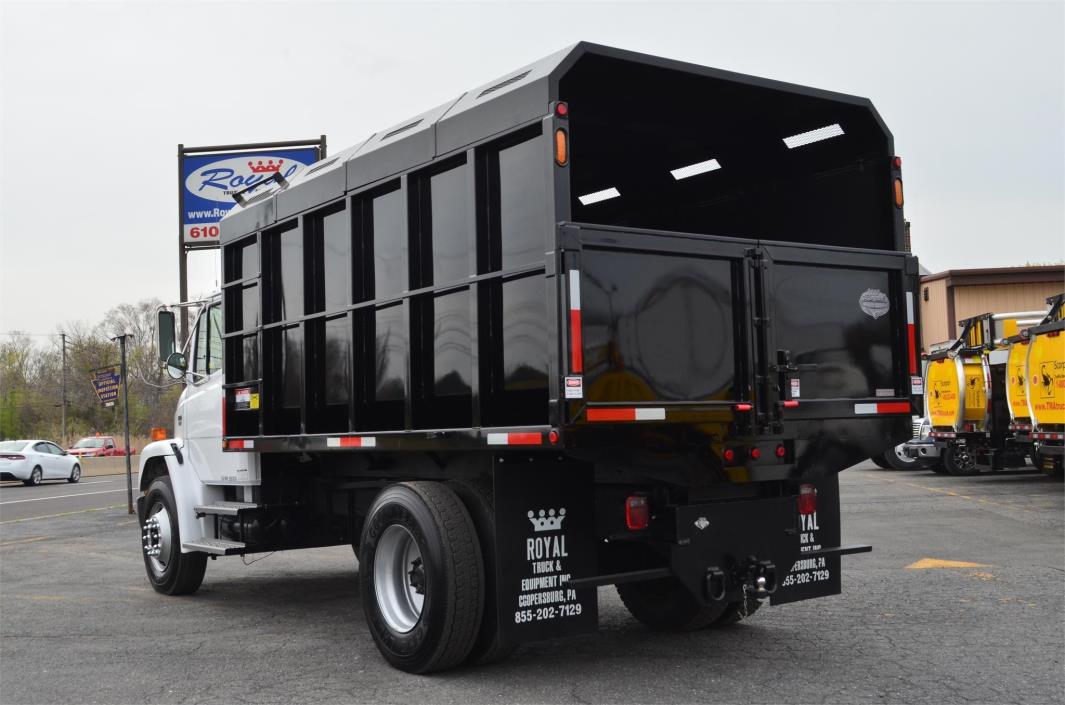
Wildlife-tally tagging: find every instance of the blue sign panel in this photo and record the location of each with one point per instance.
(210, 180)
(106, 381)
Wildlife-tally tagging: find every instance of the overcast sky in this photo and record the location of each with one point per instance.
(96, 97)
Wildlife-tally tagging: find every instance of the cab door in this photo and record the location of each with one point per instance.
(202, 409)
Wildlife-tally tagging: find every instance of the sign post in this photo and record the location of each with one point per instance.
(207, 179)
(125, 408)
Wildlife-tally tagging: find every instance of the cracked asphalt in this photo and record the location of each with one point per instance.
(79, 623)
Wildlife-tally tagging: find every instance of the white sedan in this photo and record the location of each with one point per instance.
(33, 461)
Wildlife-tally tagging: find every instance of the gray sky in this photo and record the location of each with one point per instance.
(96, 97)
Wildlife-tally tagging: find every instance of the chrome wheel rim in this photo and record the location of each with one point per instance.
(77, 473)
(158, 539)
(399, 579)
(900, 453)
(35, 476)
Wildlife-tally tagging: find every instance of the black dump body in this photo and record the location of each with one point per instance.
(449, 285)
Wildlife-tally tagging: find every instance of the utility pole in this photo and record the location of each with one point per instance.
(63, 337)
(125, 408)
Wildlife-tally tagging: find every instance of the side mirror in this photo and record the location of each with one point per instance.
(176, 364)
(165, 331)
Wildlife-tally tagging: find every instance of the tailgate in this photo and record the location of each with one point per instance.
(664, 325)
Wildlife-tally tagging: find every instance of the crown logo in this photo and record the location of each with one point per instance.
(267, 168)
(547, 521)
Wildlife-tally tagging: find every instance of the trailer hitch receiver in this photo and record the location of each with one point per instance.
(757, 579)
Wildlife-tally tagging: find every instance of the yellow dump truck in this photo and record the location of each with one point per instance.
(967, 394)
(1036, 388)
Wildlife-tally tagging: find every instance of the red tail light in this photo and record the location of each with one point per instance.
(742, 407)
(729, 455)
(807, 499)
(755, 454)
(637, 513)
(781, 451)
(13, 456)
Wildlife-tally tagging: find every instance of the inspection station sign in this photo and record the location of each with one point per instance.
(105, 381)
(210, 180)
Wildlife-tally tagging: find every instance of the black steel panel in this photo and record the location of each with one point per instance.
(320, 183)
(240, 221)
(657, 327)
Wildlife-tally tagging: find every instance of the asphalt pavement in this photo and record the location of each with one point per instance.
(54, 497)
(961, 600)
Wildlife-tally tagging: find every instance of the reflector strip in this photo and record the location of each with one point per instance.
(604, 195)
(621, 414)
(695, 169)
(576, 342)
(1048, 436)
(911, 333)
(821, 133)
(351, 442)
(515, 439)
(889, 407)
(240, 445)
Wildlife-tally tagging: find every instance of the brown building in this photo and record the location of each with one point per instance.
(956, 294)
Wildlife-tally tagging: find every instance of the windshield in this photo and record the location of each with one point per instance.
(90, 443)
(12, 445)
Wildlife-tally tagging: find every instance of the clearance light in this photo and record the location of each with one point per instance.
(637, 513)
(562, 110)
(552, 436)
(807, 499)
(898, 193)
(755, 454)
(729, 455)
(822, 133)
(158, 433)
(604, 195)
(695, 169)
(742, 407)
(781, 451)
(896, 162)
(561, 147)
(791, 404)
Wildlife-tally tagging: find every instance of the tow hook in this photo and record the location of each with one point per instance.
(757, 579)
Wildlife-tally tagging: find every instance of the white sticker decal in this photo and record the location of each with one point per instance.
(916, 385)
(795, 389)
(574, 387)
(874, 302)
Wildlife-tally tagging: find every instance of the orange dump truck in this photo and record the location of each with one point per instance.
(1036, 388)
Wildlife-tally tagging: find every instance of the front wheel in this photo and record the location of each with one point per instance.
(75, 475)
(959, 461)
(170, 571)
(422, 577)
(34, 479)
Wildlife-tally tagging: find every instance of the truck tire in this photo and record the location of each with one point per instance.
(959, 462)
(170, 572)
(898, 461)
(666, 605)
(476, 495)
(880, 462)
(422, 577)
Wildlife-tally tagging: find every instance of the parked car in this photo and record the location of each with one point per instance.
(35, 460)
(97, 447)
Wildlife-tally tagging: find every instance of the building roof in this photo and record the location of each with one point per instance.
(1000, 275)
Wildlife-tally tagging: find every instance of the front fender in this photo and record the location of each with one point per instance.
(158, 459)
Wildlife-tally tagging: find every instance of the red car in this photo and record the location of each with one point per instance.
(97, 447)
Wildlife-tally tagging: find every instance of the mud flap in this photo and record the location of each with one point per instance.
(818, 576)
(545, 530)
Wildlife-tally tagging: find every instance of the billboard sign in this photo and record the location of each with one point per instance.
(106, 381)
(210, 180)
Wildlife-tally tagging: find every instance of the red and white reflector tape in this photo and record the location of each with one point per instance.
(351, 442)
(240, 445)
(884, 407)
(911, 333)
(515, 439)
(576, 344)
(630, 414)
(1048, 436)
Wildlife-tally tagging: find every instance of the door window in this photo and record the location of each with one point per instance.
(199, 362)
(214, 342)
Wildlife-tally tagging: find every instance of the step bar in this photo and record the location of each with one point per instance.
(224, 508)
(215, 547)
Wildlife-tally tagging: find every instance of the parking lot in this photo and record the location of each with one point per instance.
(961, 600)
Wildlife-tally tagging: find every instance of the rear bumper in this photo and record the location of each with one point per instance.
(921, 450)
(15, 474)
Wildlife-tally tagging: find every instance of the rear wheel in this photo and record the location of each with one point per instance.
(897, 459)
(664, 604)
(34, 479)
(170, 571)
(75, 474)
(1050, 466)
(959, 461)
(476, 495)
(422, 577)
(880, 462)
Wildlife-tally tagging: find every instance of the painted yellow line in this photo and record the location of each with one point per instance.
(949, 493)
(64, 514)
(29, 540)
(926, 563)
